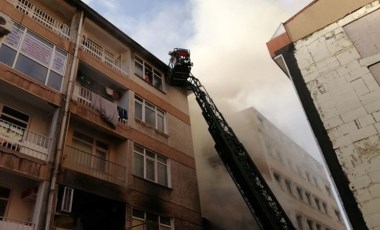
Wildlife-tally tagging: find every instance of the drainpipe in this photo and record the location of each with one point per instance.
(62, 132)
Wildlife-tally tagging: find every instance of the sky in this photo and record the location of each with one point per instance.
(227, 42)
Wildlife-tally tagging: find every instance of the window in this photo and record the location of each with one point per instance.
(4, 198)
(317, 203)
(15, 117)
(338, 216)
(299, 222)
(67, 199)
(150, 114)
(328, 190)
(34, 56)
(151, 166)
(277, 178)
(299, 192)
(325, 208)
(12, 125)
(308, 198)
(148, 73)
(146, 221)
(90, 152)
(288, 186)
(310, 224)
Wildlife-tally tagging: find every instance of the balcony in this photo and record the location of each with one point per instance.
(43, 18)
(9, 224)
(23, 140)
(93, 165)
(103, 55)
(90, 99)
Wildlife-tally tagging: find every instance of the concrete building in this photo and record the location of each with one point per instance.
(91, 135)
(297, 180)
(330, 51)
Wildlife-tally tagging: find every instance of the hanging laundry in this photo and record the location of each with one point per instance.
(107, 109)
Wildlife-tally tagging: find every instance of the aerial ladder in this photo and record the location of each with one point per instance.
(253, 188)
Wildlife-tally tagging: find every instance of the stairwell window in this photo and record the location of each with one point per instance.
(150, 114)
(32, 55)
(151, 166)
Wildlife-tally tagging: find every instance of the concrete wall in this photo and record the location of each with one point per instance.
(335, 66)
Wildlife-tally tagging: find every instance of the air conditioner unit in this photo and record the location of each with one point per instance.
(67, 200)
(5, 25)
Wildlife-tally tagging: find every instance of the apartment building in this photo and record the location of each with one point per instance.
(330, 52)
(297, 180)
(91, 135)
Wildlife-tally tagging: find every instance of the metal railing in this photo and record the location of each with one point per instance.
(84, 96)
(11, 224)
(23, 140)
(93, 165)
(103, 55)
(43, 18)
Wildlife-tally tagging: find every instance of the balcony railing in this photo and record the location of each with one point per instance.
(103, 55)
(85, 97)
(43, 17)
(23, 140)
(10, 224)
(93, 165)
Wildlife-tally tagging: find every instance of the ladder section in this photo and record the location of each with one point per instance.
(249, 181)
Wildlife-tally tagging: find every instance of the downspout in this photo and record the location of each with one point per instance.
(62, 132)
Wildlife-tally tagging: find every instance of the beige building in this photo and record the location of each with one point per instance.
(330, 51)
(297, 180)
(91, 135)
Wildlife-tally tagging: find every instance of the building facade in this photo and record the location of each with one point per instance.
(297, 180)
(330, 52)
(91, 135)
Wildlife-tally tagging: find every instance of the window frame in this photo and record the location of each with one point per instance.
(6, 200)
(288, 186)
(94, 150)
(56, 53)
(149, 73)
(150, 156)
(299, 220)
(158, 113)
(308, 197)
(300, 192)
(144, 219)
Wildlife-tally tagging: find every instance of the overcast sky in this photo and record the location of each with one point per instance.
(227, 42)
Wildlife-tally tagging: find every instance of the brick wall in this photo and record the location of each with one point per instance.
(338, 64)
